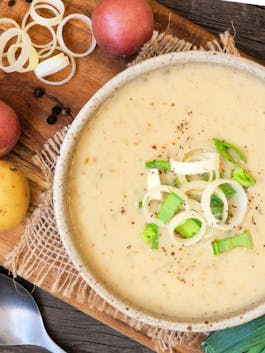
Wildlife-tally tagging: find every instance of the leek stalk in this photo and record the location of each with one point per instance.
(237, 339)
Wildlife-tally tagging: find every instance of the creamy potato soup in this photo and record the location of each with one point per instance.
(159, 116)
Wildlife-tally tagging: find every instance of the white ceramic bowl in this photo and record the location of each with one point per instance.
(60, 185)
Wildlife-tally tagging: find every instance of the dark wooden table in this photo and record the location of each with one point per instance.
(75, 331)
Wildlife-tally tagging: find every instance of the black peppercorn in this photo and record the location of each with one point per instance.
(29, 1)
(11, 3)
(38, 92)
(51, 119)
(57, 110)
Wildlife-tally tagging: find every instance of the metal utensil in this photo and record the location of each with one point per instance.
(20, 319)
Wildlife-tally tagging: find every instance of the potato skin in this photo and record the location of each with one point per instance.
(9, 129)
(14, 196)
(121, 27)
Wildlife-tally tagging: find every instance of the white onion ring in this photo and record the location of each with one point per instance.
(52, 65)
(195, 205)
(228, 169)
(33, 58)
(51, 45)
(200, 154)
(210, 234)
(221, 196)
(242, 202)
(149, 196)
(25, 51)
(196, 167)
(53, 21)
(9, 21)
(194, 188)
(37, 7)
(25, 18)
(200, 185)
(48, 50)
(61, 42)
(194, 185)
(179, 219)
(153, 179)
(65, 80)
(195, 155)
(12, 22)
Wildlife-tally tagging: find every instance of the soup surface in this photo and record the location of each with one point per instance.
(155, 116)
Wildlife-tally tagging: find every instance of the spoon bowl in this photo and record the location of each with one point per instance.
(20, 319)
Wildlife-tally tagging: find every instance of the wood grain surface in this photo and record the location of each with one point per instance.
(75, 331)
(92, 73)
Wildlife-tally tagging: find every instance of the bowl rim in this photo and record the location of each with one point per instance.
(60, 181)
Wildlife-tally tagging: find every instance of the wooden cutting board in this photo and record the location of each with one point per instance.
(93, 71)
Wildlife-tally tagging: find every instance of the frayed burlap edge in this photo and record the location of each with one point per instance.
(162, 43)
(40, 255)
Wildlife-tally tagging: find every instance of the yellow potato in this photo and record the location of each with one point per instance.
(14, 196)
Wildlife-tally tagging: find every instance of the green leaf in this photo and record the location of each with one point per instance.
(159, 164)
(176, 182)
(205, 176)
(189, 228)
(150, 235)
(216, 201)
(217, 211)
(216, 206)
(242, 240)
(169, 207)
(227, 190)
(155, 244)
(243, 177)
(223, 148)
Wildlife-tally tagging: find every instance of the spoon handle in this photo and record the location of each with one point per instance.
(47, 343)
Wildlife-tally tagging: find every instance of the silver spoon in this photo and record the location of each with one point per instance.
(20, 319)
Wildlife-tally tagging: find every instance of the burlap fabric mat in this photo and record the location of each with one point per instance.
(40, 252)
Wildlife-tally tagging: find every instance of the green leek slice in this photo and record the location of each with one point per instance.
(217, 211)
(205, 176)
(159, 164)
(189, 228)
(140, 204)
(227, 190)
(217, 203)
(242, 240)
(223, 147)
(243, 177)
(216, 206)
(171, 204)
(176, 182)
(150, 235)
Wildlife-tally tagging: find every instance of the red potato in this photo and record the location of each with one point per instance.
(121, 27)
(9, 129)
